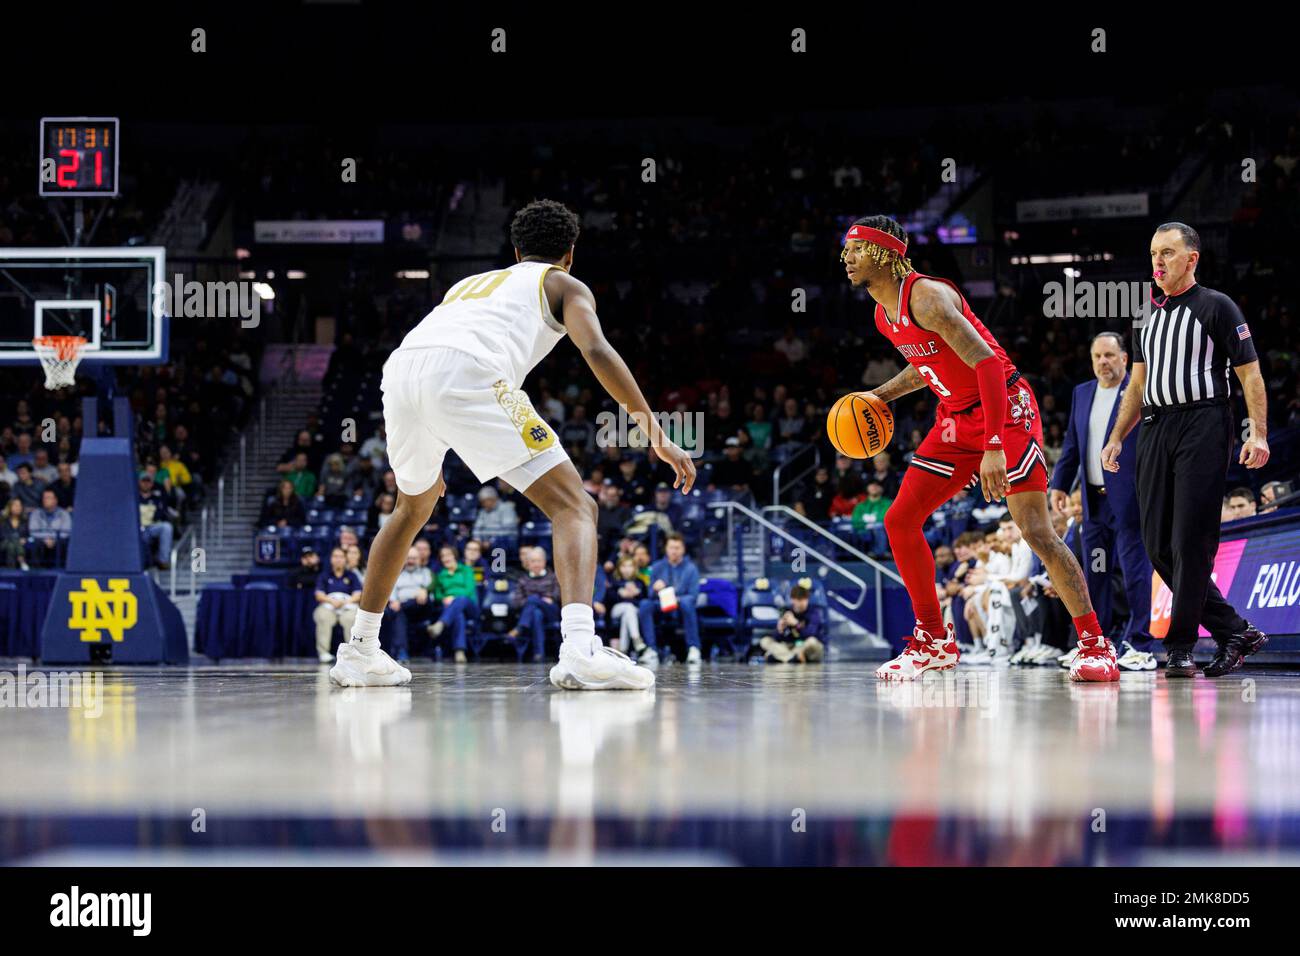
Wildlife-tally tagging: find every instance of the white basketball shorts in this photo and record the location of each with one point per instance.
(437, 399)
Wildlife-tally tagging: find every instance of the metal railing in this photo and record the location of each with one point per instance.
(265, 415)
(179, 548)
(835, 539)
(879, 571)
(734, 507)
(777, 486)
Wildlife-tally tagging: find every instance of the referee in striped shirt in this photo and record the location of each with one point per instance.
(1181, 391)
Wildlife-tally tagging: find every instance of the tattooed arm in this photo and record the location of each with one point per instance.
(935, 308)
(904, 383)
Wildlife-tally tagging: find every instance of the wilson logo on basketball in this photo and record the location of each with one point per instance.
(873, 433)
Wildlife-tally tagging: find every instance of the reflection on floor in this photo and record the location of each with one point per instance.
(720, 764)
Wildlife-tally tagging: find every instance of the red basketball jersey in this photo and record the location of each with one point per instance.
(942, 368)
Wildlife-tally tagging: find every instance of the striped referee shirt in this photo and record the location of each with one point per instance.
(1188, 344)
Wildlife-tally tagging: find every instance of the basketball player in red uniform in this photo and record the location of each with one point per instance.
(986, 429)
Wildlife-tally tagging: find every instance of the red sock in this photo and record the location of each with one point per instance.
(1087, 626)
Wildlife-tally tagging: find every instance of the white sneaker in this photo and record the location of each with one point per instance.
(377, 669)
(693, 655)
(1066, 660)
(325, 658)
(980, 657)
(1028, 651)
(606, 669)
(1134, 660)
(649, 657)
(1046, 656)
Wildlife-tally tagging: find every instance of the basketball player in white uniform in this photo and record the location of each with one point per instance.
(455, 383)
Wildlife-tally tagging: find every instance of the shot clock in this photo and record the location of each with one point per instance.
(83, 153)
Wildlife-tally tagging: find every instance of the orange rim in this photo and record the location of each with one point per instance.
(64, 346)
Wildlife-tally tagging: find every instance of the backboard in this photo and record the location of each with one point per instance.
(105, 295)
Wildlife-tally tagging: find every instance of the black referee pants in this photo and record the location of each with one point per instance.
(1182, 461)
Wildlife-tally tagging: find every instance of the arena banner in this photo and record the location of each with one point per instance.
(1225, 568)
(1266, 588)
(1260, 577)
(1070, 208)
(319, 231)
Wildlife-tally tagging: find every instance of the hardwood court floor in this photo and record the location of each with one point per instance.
(995, 751)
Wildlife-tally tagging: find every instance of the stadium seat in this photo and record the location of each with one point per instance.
(759, 609)
(535, 533)
(717, 611)
(496, 616)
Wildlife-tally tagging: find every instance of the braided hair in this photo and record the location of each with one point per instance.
(899, 266)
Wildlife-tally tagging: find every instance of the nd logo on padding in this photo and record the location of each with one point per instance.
(94, 610)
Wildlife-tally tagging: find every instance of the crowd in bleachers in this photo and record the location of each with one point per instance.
(759, 411)
(184, 413)
(330, 498)
(699, 264)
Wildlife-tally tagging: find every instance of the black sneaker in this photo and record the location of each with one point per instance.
(1234, 651)
(1180, 664)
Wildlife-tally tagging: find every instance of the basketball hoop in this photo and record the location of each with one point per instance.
(59, 355)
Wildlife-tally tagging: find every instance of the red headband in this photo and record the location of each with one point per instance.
(892, 243)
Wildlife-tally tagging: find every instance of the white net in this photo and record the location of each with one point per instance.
(59, 355)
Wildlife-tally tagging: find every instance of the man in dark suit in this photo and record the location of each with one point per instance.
(1112, 534)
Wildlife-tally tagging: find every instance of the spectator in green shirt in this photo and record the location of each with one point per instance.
(869, 517)
(760, 429)
(455, 590)
(302, 477)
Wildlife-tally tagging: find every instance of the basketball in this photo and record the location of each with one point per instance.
(860, 425)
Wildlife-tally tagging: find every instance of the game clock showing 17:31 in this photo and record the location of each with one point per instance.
(78, 156)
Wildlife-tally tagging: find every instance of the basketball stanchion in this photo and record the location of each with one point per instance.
(105, 607)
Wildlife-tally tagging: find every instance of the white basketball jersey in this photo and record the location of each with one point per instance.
(501, 318)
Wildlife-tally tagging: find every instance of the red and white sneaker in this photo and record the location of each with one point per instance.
(1095, 660)
(922, 654)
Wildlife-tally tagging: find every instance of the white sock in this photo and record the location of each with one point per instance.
(578, 628)
(365, 631)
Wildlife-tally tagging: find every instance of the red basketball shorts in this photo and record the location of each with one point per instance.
(955, 445)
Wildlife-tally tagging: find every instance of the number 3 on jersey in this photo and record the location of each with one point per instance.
(934, 380)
